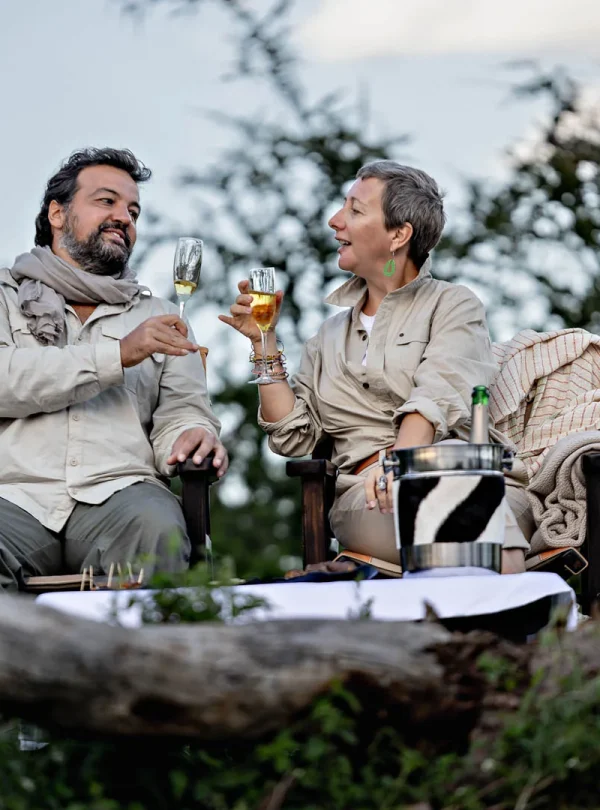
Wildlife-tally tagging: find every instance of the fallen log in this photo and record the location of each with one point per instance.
(213, 681)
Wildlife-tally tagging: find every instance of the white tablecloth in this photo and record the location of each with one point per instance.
(391, 599)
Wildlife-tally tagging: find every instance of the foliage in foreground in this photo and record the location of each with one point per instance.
(351, 751)
(341, 755)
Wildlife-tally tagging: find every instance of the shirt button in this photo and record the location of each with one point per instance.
(73, 462)
(76, 417)
(365, 385)
(364, 337)
(401, 334)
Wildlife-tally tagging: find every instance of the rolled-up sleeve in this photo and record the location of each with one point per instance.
(458, 357)
(298, 432)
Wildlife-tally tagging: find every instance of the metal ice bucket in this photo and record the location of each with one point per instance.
(449, 505)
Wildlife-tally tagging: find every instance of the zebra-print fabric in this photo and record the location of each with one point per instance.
(450, 509)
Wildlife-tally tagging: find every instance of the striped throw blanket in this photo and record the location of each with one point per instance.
(554, 377)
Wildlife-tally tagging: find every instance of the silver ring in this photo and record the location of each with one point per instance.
(382, 483)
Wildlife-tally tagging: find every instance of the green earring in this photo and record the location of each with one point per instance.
(390, 267)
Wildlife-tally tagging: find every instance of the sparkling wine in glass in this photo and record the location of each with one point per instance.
(186, 269)
(264, 307)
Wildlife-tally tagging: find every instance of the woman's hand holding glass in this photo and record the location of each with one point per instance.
(241, 317)
(248, 318)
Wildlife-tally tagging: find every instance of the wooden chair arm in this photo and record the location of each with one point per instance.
(591, 550)
(195, 483)
(318, 491)
(315, 466)
(188, 467)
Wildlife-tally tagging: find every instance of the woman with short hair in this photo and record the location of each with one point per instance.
(394, 368)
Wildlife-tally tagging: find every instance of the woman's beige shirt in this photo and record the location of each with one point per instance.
(428, 347)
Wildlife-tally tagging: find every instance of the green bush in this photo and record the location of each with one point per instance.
(547, 755)
(348, 752)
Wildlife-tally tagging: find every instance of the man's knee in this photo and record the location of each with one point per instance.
(26, 547)
(163, 536)
(145, 525)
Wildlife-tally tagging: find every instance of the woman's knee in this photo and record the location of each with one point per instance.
(366, 531)
(513, 561)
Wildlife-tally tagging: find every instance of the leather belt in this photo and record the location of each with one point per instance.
(366, 462)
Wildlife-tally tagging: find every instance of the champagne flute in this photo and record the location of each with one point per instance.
(186, 269)
(264, 307)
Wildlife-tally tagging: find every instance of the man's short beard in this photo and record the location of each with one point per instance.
(94, 254)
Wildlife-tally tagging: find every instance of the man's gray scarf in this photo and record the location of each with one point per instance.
(47, 281)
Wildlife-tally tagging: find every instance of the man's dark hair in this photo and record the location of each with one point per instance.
(63, 185)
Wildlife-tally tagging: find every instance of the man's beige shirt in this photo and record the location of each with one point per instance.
(76, 427)
(428, 347)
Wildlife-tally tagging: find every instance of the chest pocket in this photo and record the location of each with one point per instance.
(407, 350)
(23, 337)
(115, 329)
(20, 329)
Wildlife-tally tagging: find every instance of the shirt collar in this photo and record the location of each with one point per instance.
(353, 291)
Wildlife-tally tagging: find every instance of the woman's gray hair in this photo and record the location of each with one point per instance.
(409, 195)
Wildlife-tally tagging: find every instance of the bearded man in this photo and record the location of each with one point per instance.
(103, 388)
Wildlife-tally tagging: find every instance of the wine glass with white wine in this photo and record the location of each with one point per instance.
(264, 308)
(186, 269)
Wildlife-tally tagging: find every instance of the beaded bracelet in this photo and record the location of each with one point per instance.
(278, 359)
(277, 375)
(279, 356)
(270, 358)
(270, 361)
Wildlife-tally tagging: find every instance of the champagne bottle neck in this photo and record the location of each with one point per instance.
(480, 427)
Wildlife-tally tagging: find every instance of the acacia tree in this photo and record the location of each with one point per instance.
(267, 201)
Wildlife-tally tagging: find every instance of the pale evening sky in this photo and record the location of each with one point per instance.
(80, 73)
